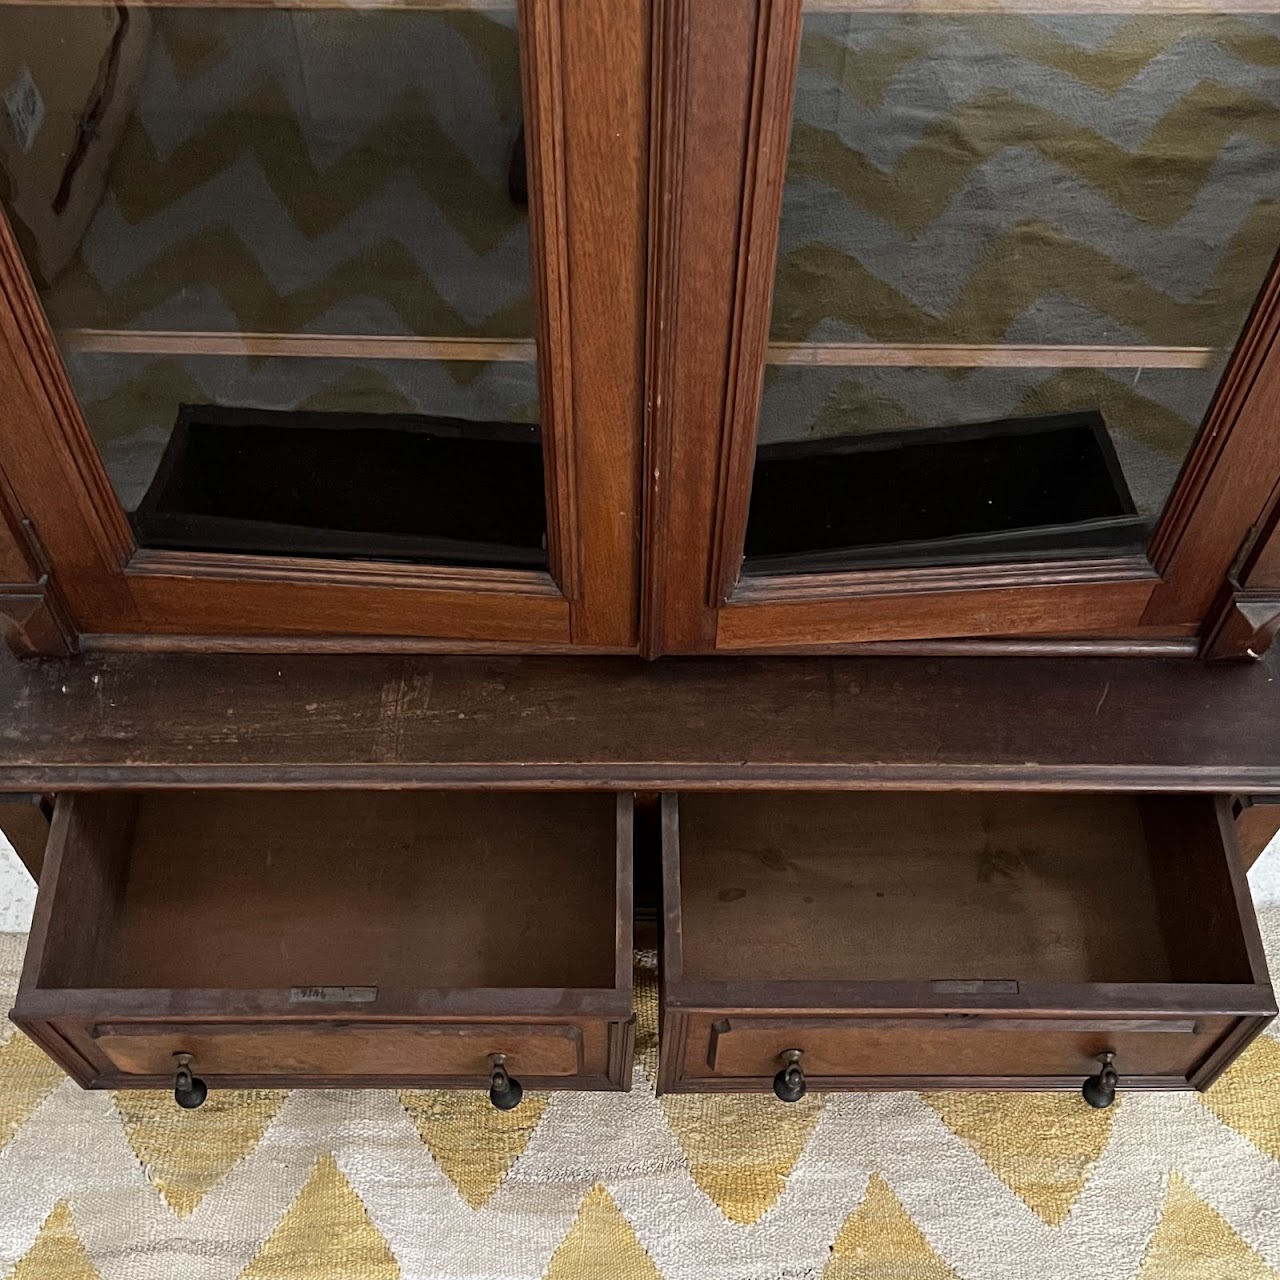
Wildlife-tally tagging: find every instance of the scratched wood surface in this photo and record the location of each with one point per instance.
(145, 720)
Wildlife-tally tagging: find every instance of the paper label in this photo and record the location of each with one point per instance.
(332, 995)
(976, 987)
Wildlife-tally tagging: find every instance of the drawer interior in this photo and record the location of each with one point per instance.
(396, 889)
(937, 886)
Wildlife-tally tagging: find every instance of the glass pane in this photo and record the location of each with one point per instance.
(1015, 253)
(286, 257)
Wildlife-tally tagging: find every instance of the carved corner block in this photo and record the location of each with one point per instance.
(1245, 623)
(33, 622)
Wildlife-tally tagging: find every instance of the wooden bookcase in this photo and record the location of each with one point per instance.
(435, 782)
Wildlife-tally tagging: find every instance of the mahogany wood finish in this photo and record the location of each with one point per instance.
(393, 937)
(115, 720)
(906, 941)
(325, 346)
(1257, 824)
(1246, 614)
(726, 81)
(33, 616)
(24, 820)
(657, 152)
(991, 355)
(586, 101)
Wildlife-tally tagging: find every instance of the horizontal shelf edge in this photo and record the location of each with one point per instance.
(137, 720)
(941, 355)
(324, 346)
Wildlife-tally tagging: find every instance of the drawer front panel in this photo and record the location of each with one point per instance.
(419, 1050)
(743, 1047)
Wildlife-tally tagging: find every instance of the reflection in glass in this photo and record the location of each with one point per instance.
(267, 209)
(995, 216)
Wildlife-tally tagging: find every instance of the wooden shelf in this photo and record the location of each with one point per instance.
(136, 720)
(986, 355)
(356, 346)
(321, 346)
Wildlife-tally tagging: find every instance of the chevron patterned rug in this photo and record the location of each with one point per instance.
(421, 1185)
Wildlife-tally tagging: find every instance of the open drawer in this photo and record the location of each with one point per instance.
(892, 940)
(259, 938)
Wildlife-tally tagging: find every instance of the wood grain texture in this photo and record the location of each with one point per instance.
(704, 57)
(431, 1049)
(993, 894)
(710, 344)
(923, 887)
(777, 49)
(987, 355)
(850, 1048)
(1061, 609)
(1229, 476)
(471, 924)
(33, 624)
(51, 471)
(304, 606)
(323, 346)
(606, 86)
(1257, 824)
(542, 76)
(399, 890)
(585, 76)
(24, 820)
(929, 579)
(1245, 625)
(270, 720)
(1260, 565)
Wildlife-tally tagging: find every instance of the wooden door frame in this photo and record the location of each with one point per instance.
(724, 78)
(585, 72)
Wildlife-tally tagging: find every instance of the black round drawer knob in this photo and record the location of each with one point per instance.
(189, 1091)
(505, 1091)
(789, 1084)
(1100, 1090)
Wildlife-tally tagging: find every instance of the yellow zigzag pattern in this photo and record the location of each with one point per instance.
(864, 1179)
(263, 123)
(865, 74)
(378, 1185)
(217, 258)
(1143, 182)
(818, 282)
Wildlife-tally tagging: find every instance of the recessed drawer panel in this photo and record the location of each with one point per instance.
(882, 939)
(986, 1047)
(343, 1049)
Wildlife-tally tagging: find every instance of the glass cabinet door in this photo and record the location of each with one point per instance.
(305, 272)
(1015, 252)
(1006, 253)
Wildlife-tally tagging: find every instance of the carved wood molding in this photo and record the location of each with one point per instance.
(1245, 624)
(33, 622)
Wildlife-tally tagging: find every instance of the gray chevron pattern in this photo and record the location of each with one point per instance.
(327, 171)
(1047, 179)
